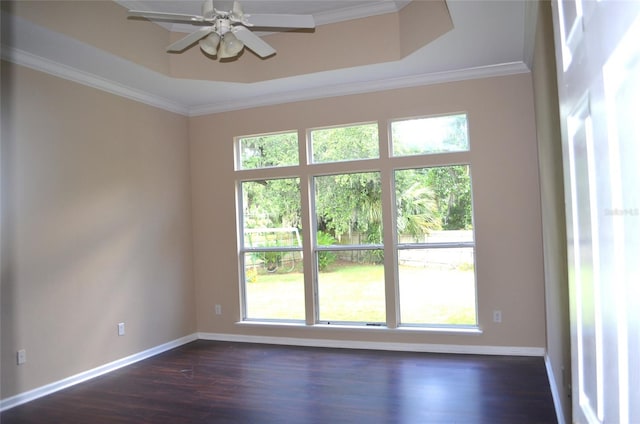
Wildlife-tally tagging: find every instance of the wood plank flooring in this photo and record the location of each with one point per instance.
(222, 382)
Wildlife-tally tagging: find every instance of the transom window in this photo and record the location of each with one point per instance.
(346, 143)
(347, 278)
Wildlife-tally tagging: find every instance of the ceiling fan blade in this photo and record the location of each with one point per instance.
(281, 21)
(208, 11)
(237, 10)
(185, 42)
(253, 42)
(165, 16)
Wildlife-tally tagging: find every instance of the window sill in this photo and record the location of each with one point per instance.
(364, 327)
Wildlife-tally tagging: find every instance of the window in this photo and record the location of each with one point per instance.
(431, 218)
(348, 249)
(271, 254)
(344, 143)
(435, 247)
(268, 150)
(429, 135)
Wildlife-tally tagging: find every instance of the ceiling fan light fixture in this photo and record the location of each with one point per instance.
(210, 43)
(225, 33)
(230, 46)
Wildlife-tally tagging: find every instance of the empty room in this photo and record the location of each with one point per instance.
(319, 211)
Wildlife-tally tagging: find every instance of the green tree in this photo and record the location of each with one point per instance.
(272, 203)
(417, 210)
(345, 143)
(427, 199)
(348, 203)
(269, 150)
(452, 188)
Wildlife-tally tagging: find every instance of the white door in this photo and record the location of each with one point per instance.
(598, 57)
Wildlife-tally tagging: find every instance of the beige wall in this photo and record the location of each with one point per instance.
(99, 195)
(99, 204)
(96, 228)
(553, 214)
(102, 24)
(506, 202)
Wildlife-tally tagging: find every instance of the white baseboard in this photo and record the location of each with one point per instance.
(87, 375)
(290, 341)
(557, 397)
(353, 344)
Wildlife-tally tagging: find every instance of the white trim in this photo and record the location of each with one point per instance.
(364, 87)
(365, 329)
(360, 11)
(531, 9)
(48, 389)
(553, 384)
(354, 344)
(30, 395)
(38, 63)
(23, 58)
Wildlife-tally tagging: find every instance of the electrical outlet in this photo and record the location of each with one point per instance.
(22, 356)
(497, 316)
(218, 309)
(121, 329)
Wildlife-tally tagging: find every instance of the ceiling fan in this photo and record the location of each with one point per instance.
(225, 33)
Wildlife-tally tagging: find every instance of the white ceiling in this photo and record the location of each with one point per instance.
(489, 38)
(324, 11)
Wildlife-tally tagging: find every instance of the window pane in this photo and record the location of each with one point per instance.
(274, 285)
(345, 143)
(348, 207)
(434, 204)
(429, 135)
(271, 213)
(437, 286)
(267, 151)
(351, 286)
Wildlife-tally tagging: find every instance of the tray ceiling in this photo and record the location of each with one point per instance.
(98, 46)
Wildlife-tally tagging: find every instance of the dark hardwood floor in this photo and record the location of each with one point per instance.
(221, 382)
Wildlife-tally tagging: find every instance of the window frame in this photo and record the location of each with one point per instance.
(317, 248)
(237, 151)
(309, 142)
(243, 250)
(386, 164)
(398, 246)
(423, 154)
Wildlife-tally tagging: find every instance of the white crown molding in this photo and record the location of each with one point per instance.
(354, 344)
(364, 87)
(357, 12)
(38, 63)
(39, 392)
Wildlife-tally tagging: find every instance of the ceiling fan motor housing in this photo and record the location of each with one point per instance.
(222, 26)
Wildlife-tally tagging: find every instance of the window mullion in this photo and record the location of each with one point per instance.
(309, 262)
(390, 258)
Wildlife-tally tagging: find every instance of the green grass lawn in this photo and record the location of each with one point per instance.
(355, 292)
